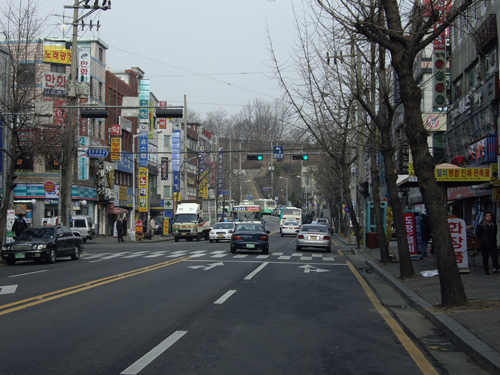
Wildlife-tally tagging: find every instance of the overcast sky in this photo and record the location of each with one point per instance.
(213, 51)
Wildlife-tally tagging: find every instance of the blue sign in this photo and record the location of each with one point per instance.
(278, 152)
(97, 153)
(224, 192)
(143, 149)
(169, 214)
(249, 197)
(266, 189)
(177, 182)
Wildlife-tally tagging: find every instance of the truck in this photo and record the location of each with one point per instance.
(194, 219)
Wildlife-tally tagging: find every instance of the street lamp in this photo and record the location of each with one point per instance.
(84, 205)
(286, 199)
(133, 170)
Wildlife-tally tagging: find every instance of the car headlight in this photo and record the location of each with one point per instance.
(39, 247)
(5, 248)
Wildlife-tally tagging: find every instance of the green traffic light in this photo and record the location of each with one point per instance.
(305, 157)
(259, 157)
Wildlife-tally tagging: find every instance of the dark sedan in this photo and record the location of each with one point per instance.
(47, 242)
(250, 237)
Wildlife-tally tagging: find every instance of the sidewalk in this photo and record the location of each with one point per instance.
(475, 329)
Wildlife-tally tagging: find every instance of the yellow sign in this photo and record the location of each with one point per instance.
(494, 174)
(462, 174)
(116, 148)
(143, 189)
(166, 226)
(57, 55)
(123, 193)
(496, 193)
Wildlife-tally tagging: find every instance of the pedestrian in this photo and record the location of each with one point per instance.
(152, 225)
(19, 225)
(125, 227)
(426, 232)
(119, 229)
(487, 233)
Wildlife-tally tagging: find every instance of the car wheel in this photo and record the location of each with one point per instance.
(84, 240)
(189, 239)
(10, 262)
(216, 240)
(76, 253)
(176, 239)
(211, 241)
(298, 248)
(282, 234)
(198, 238)
(329, 249)
(207, 236)
(233, 249)
(265, 250)
(52, 256)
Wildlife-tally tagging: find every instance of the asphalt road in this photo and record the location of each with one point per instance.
(194, 308)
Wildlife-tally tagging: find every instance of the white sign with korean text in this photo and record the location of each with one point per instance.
(459, 238)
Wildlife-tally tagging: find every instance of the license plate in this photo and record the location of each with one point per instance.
(250, 246)
(313, 237)
(221, 236)
(183, 234)
(19, 255)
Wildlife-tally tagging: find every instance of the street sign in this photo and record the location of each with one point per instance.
(97, 153)
(278, 152)
(266, 189)
(249, 197)
(224, 192)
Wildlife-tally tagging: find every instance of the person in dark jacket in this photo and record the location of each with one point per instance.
(125, 227)
(19, 225)
(119, 229)
(487, 233)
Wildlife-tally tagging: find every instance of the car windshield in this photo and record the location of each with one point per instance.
(34, 233)
(185, 218)
(314, 228)
(250, 228)
(223, 226)
(246, 216)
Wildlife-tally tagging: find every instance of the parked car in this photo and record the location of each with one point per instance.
(47, 242)
(84, 225)
(290, 227)
(315, 236)
(222, 231)
(250, 237)
(326, 222)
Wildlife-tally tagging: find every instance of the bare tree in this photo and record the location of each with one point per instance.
(405, 32)
(21, 29)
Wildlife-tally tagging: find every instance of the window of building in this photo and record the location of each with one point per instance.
(458, 89)
(54, 68)
(26, 74)
(99, 94)
(166, 140)
(101, 54)
(490, 62)
(471, 77)
(166, 191)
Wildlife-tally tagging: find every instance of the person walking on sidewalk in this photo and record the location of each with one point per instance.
(119, 229)
(487, 233)
(125, 227)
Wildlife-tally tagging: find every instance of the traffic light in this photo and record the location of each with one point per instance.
(169, 112)
(439, 80)
(300, 157)
(93, 113)
(254, 157)
(365, 189)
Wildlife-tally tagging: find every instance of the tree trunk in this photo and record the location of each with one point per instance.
(348, 202)
(452, 289)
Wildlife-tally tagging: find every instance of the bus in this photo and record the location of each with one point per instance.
(249, 213)
(291, 214)
(266, 205)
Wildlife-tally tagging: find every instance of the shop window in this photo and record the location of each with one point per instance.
(457, 89)
(56, 68)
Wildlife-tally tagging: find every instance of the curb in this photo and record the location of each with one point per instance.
(487, 357)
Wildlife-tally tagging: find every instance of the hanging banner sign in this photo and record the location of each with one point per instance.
(459, 238)
(143, 189)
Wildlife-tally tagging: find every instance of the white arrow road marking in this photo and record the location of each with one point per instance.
(308, 268)
(207, 267)
(9, 289)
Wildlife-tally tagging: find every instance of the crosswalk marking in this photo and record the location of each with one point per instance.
(207, 253)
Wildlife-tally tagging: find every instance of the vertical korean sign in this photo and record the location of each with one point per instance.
(143, 189)
(162, 121)
(220, 174)
(116, 142)
(143, 149)
(84, 65)
(459, 238)
(412, 226)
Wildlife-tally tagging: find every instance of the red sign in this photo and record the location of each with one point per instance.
(49, 187)
(138, 226)
(459, 238)
(116, 130)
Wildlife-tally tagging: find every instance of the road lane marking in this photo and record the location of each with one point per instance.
(145, 360)
(8, 289)
(257, 270)
(224, 298)
(29, 273)
(415, 353)
(23, 304)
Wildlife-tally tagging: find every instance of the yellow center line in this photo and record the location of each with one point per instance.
(85, 286)
(410, 347)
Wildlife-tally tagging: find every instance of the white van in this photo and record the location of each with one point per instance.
(84, 225)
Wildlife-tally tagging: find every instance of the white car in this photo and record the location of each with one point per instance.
(221, 232)
(290, 227)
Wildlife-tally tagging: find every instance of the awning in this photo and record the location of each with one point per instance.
(117, 210)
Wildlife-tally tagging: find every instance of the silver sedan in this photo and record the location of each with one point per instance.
(315, 236)
(222, 232)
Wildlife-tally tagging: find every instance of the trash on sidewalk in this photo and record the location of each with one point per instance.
(131, 233)
(429, 273)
